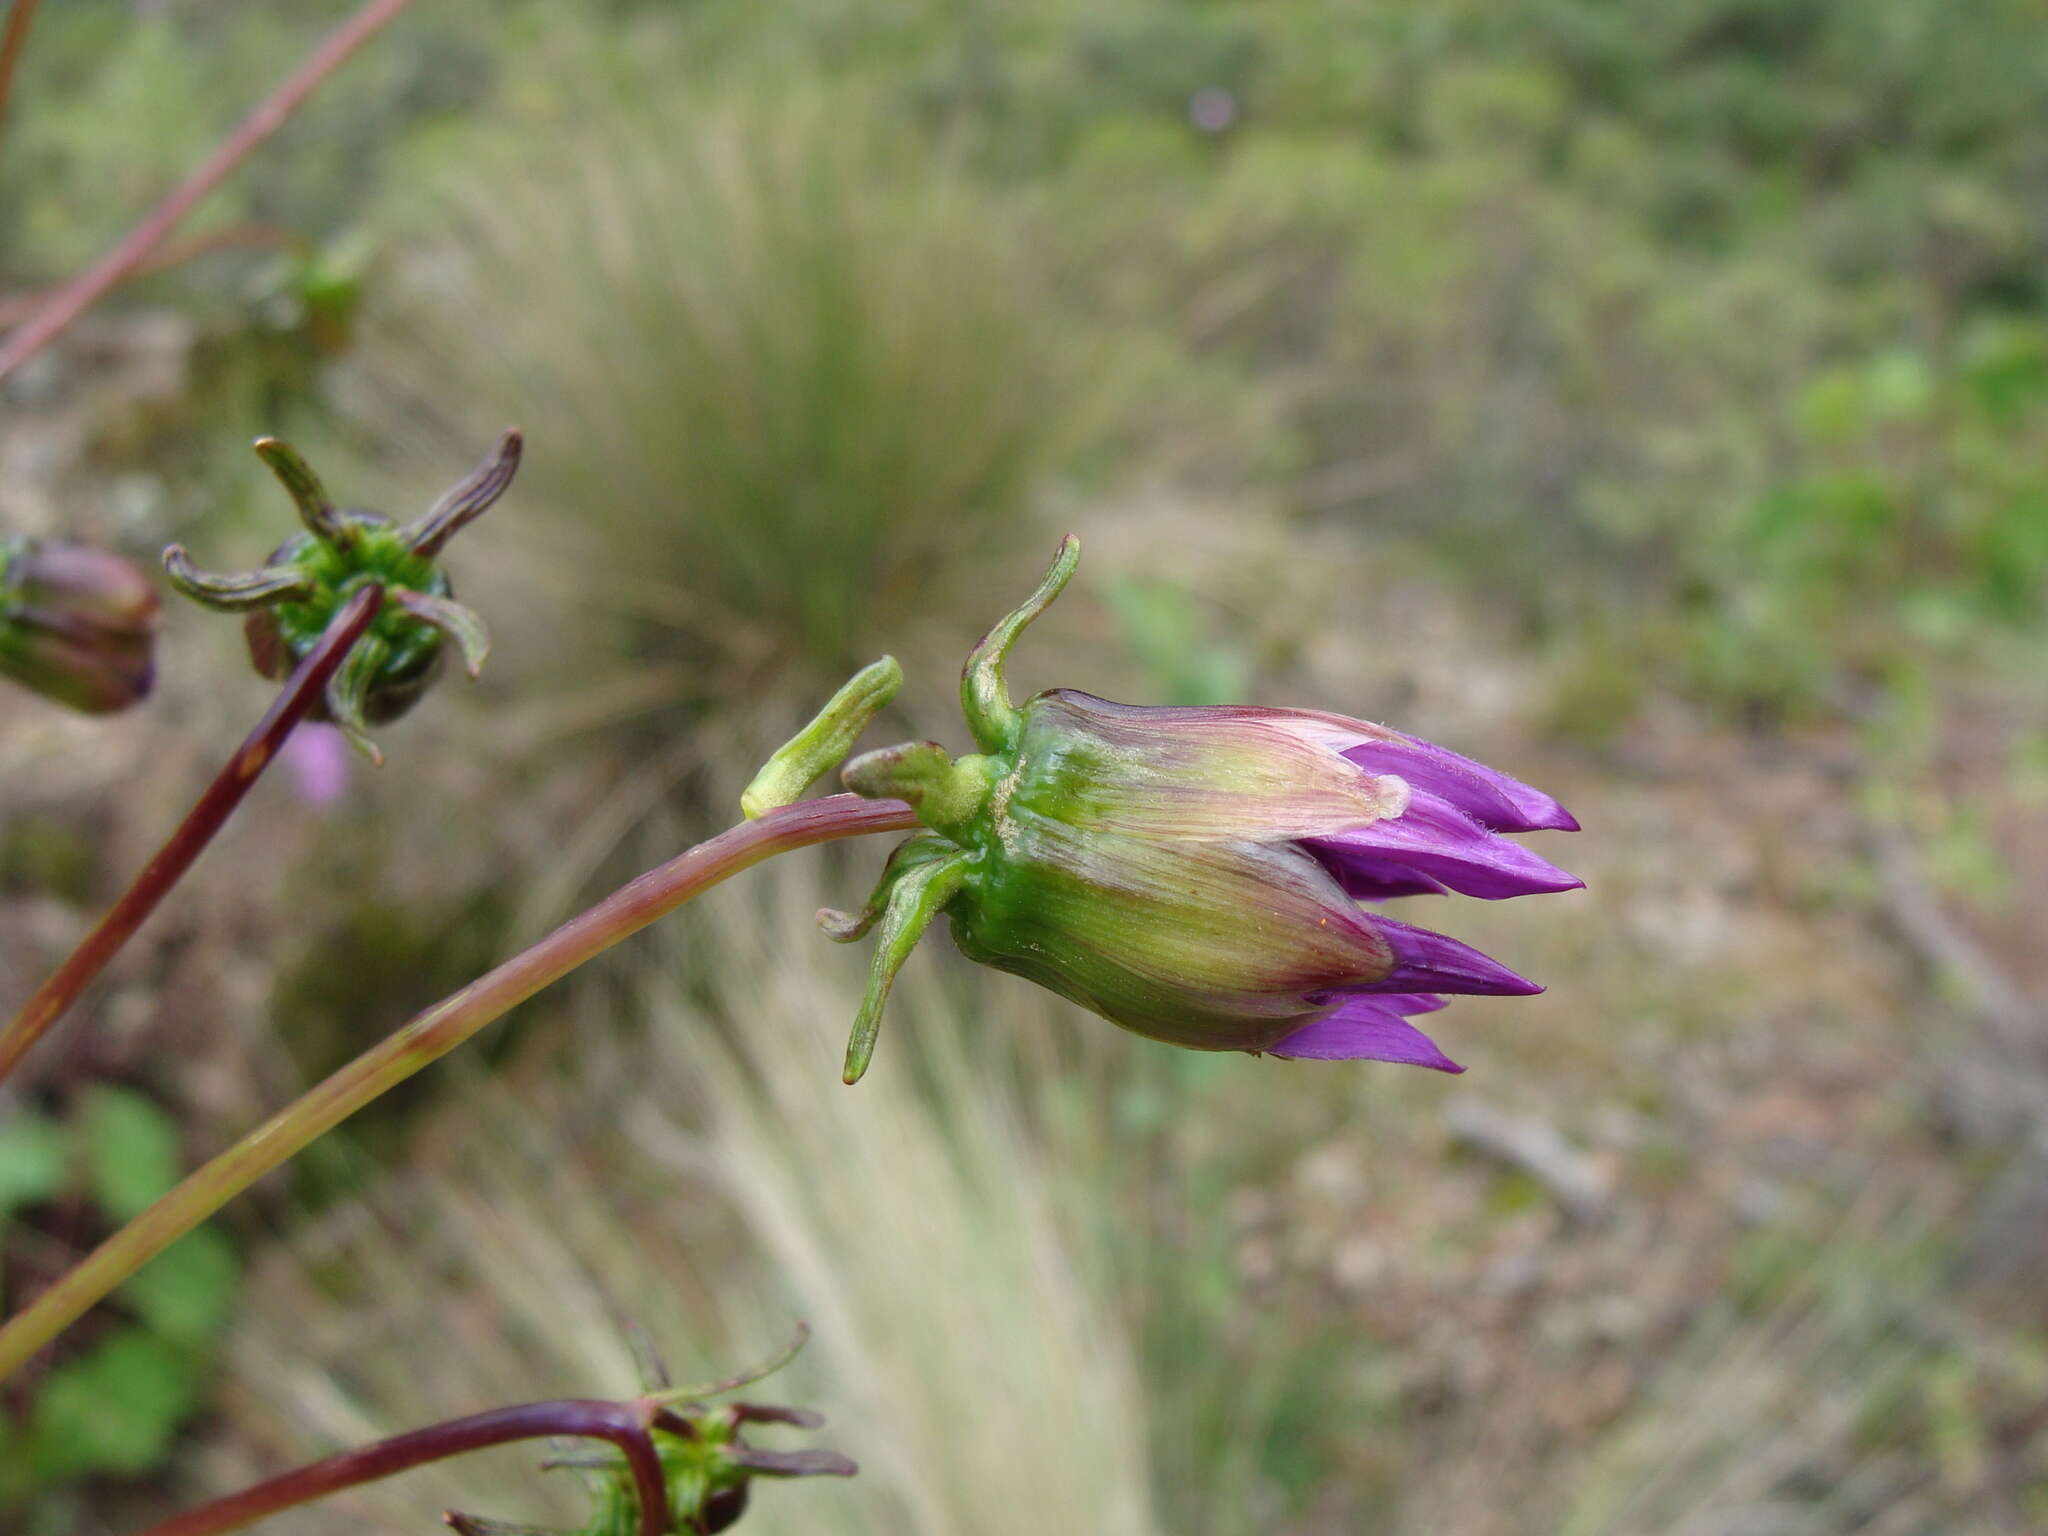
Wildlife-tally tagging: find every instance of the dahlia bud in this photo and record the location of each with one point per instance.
(1195, 874)
(312, 575)
(77, 624)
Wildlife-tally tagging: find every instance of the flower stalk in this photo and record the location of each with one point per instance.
(623, 1425)
(426, 1038)
(677, 1463)
(208, 815)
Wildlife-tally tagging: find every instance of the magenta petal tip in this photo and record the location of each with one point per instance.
(1431, 962)
(1496, 801)
(1365, 1029)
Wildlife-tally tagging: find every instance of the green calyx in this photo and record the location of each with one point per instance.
(954, 797)
(293, 598)
(948, 794)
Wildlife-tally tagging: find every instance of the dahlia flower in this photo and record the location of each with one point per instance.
(1208, 877)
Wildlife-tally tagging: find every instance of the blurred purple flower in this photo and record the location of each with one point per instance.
(1212, 109)
(319, 759)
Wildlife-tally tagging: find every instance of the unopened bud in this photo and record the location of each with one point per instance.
(77, 624)
(312, 576)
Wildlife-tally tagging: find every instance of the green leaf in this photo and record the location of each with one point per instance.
(187, 1293)
(31, 1160)
(115, 1409)
(132, 1151)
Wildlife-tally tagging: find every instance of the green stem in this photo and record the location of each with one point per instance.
(426, 1038)
(207, 816)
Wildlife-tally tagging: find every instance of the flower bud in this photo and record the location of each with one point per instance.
(1200, 875)
(312, 575)
(77, 624)
(706, 1465)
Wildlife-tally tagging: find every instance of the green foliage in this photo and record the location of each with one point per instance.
(131, 1151)
(31, 1160)
(1164, 630)
(115, 1406)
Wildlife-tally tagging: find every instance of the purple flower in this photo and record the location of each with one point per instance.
(1210, 877)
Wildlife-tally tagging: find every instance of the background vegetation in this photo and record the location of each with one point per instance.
(1652, 399)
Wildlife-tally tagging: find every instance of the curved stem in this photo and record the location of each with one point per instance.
(304, 689)
(79, 295)
(622, 1424)
(427, 1037)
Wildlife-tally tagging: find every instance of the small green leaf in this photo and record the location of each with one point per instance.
(114, 1410)
(131, 1149)
(31, 1160)
(187, 1293)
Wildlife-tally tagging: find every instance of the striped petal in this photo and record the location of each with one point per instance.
(1435, 840)
(1491, 798)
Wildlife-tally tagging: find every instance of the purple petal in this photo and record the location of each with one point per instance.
(1430, 962)
(1495, 800)
(1440, 843)
(1366, 1029)
(1376, 879)
(1409, 1003)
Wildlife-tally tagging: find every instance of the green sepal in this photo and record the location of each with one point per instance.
(823, 744)
(348, 692)
(460, 623)
(316, 508)
(924, 848)
(947, 793)
(918, 897)
(984, 695)
(468, 499)
(240, 593)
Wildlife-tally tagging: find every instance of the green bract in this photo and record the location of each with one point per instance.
(312, 575)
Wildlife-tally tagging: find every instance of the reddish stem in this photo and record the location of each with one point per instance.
(207, 816)
(19, 15)
(427, 1037)
(79, 295)
(17, 307)
(623, 1424)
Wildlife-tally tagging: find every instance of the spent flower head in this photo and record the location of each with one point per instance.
(77, 624)
(311, 576)
(1208, 877)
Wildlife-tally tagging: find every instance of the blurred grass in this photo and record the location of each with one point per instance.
(704, 1178)
(793, 388)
